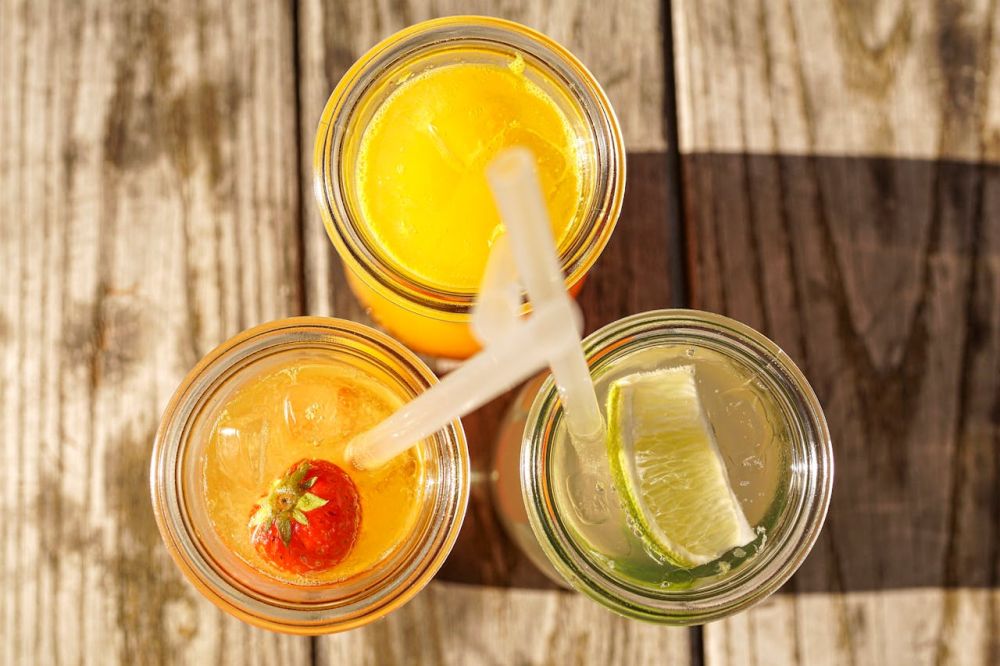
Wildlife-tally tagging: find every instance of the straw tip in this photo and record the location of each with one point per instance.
(357, 454)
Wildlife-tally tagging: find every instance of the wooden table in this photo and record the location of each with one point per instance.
(825, 171)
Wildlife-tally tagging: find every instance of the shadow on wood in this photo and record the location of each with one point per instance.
(881, 279)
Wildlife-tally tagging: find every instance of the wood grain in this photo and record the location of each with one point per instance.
(149, 210)
(454, 624)
(842, 195)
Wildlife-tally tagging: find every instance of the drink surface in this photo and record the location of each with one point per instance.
(420, 176)
(309, 409)
(752, 436)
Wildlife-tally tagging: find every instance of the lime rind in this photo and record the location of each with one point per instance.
(669, 470)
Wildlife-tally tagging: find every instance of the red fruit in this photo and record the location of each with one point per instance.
(309, 519)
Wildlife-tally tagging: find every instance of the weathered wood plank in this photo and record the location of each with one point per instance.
(623, 46)
(149, 210)
(455, 624)
(842, 192)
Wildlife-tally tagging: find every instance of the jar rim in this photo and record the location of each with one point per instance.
(593, 232)
(756, 578)
(310, 612)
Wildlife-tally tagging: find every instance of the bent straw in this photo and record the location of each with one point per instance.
(496, 312)
(486, 375)
(519, 197)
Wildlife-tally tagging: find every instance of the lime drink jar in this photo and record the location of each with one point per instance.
(771, 435)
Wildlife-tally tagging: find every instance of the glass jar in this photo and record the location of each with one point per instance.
(182, 512)
(794, 513)
(505, 479)
(431, 318)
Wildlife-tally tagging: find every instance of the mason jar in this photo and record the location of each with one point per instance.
(785, 481)
(433, 318)
(184, 515)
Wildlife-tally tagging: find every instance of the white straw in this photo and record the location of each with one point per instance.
(481, 378)
(519, 197)
(497, 310)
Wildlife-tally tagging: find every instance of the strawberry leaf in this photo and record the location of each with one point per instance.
(284, 529)
(308, 502)
(310, 483)
(300, 517)
(296, 477)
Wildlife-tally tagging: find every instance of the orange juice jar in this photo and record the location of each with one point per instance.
(399, 164)
(289, 391)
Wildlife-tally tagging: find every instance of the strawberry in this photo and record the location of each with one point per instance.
(309, 519)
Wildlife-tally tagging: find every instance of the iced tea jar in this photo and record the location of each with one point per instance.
(254, 497)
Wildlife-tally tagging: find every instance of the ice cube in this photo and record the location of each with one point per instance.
(319, 412)
(241, 446)
(588, 497)
(595, 507)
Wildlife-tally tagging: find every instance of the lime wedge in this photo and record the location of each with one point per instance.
(668, 468)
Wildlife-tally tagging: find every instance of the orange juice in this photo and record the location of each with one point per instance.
(400, 158)
(308, 410)
(421, 166)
